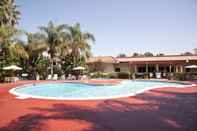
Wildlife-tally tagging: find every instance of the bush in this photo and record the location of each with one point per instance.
(2, 76)
(180, 76)
(185, 76)
(123, 75)
(113, 75)
(191, 76)
(99, 75)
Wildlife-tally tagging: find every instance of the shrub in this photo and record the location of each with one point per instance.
(180, 76)
(123, 75)
(99, 75)
(113, 75)
(191, 75)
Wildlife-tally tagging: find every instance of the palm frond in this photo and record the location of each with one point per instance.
(88, 36)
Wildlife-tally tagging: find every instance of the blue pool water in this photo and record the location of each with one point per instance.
(80, 91)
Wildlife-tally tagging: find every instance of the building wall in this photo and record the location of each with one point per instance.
(103, 67)
(108, 67)
(124, 67)
(194, 51)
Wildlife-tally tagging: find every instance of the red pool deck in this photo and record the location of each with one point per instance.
(164, 109)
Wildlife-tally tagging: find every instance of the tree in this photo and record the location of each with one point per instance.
(35, 47)
(79, 44)
(55, 38)
(148, 54)
(9, 16)
(9, 42)
(17, 51)
(160, 54)
(187, 53)
(9, 13)
(122, 55)
(136, 54)
(11, 49)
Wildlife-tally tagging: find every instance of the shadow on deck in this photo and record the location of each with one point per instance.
(159, 113)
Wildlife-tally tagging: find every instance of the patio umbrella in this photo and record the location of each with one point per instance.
(12, 67)
(191, 66)
(79, 68)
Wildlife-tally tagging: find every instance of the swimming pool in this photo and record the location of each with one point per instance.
(82, 91)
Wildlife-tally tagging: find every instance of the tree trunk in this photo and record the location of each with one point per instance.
(51, 67)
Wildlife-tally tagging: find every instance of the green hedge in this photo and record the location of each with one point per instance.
(113, 75)
(98, 74)
(179, 76)
(185, 76)
(123, 75)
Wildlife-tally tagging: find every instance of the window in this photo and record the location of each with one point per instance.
(117, 69)
(141, 69)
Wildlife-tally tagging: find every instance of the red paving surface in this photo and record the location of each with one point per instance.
(165, 109)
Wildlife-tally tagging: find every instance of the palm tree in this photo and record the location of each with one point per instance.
(17, 51)
(55, 38)
(7, 33)
(9, 43)
(9, 16)
(79, 43)
(35, 47)
(9, 13)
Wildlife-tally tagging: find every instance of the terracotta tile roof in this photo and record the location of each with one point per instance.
(158, 58)
(110, 59)
(104, 59)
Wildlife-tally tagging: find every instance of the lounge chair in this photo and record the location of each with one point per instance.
(158, 75)
(84, 77)
(49, 77)
(55, 77)
(71, 77)
(150, 75)
(11, 79)
(63, 77)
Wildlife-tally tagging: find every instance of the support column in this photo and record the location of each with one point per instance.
(157, 67)
(170, 68)
(176, 69)
(135, 68)
(181, 68)
(135, 71)
(146, 68)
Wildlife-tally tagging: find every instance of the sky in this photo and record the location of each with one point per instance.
(121, 26)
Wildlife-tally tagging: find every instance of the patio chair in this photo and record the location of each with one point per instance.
(150, 75)
(55, 77)
(158, 75)
(69, 77)
(73, 77)
(7, 79)
(84, 77)
(49, 77)
(63, 77)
